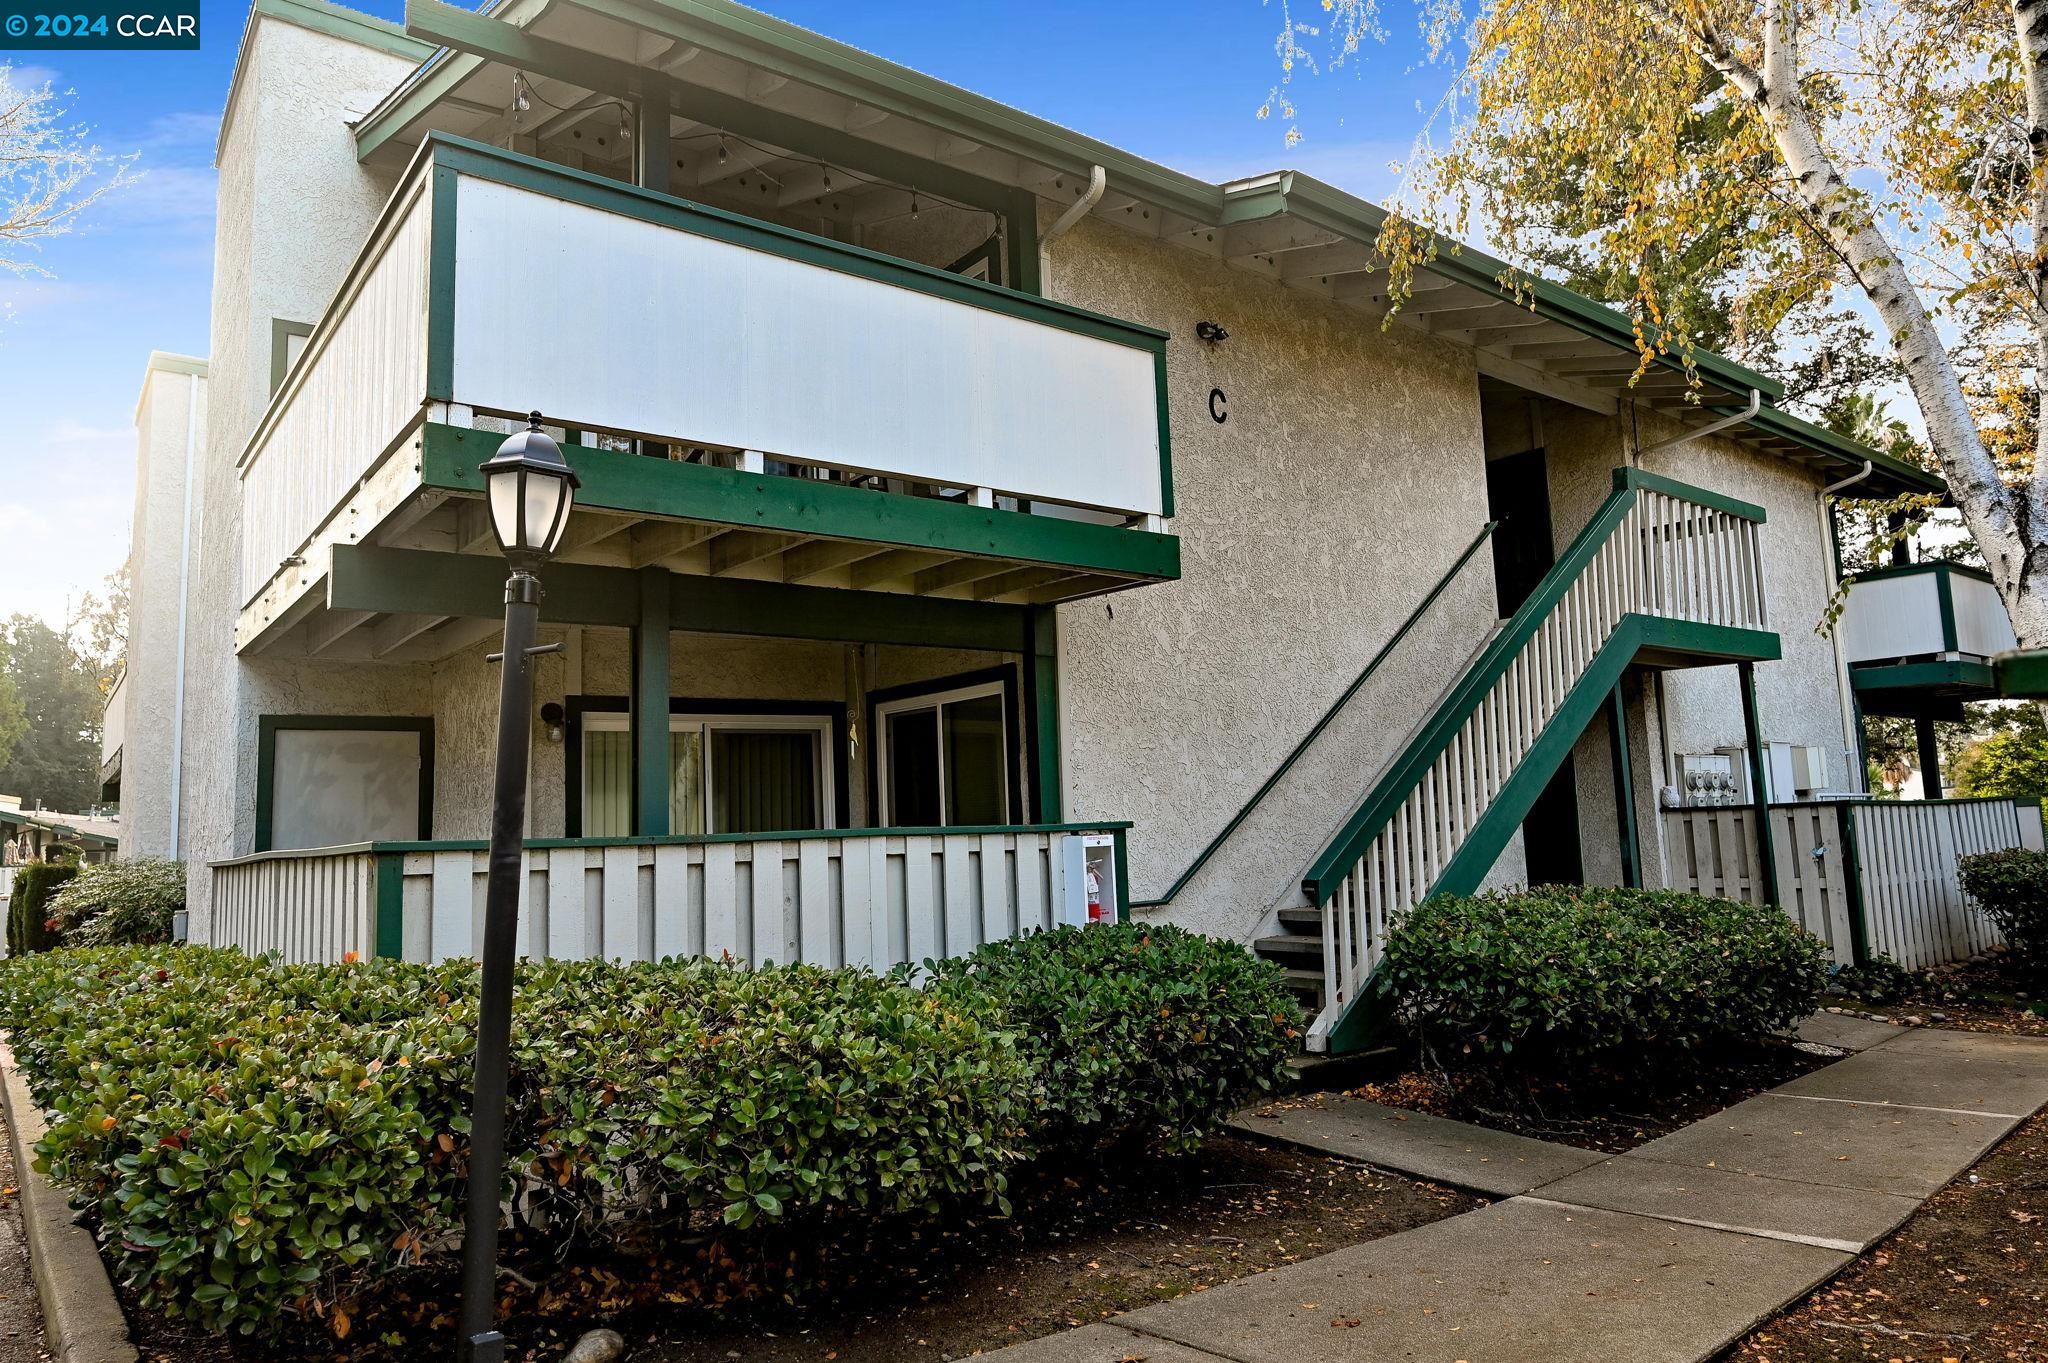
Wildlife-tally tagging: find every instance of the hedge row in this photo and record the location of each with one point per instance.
(263, 1142)
(1564, 974)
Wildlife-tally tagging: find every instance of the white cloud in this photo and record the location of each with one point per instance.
(165, 196)
(189, 129)
(29, 77)
(64, 525)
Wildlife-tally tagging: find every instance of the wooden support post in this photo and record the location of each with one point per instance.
(1042, 705)
(650, 706)
(652, 155)
(1930, 756)
(1852, 883)
(1624, 789)
(1759, 786)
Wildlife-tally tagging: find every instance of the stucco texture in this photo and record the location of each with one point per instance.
(1346, 480)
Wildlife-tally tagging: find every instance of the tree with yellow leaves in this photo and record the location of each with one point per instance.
(1797, 147)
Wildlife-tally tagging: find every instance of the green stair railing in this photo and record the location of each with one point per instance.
(1661, 565)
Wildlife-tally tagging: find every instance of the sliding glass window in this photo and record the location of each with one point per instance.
(946, 758)
(751, 773)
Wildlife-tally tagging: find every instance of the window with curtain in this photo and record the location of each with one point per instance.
(748, 773)
(946, 758)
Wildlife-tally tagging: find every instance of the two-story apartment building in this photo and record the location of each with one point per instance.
(979, 525)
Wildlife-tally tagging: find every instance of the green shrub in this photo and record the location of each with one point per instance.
(1140, 1034)
(120, 903)
(1878, 980)
(263, 1142)
(1558, 975)
(2011, 887)
(28, 907)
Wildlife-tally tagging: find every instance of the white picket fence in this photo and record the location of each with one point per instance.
(1904, 872)
(877, 899)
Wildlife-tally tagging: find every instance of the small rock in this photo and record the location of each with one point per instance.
(597, 1346)
(1915, 1020)
(1937, 1017)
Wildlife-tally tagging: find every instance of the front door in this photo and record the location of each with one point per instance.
(1518, 496)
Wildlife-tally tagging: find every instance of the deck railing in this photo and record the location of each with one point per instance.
(1869, 877)
(681, 326)
(1924, 610)
(875, 897)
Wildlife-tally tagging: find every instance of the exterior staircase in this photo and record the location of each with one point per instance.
(1663, 575)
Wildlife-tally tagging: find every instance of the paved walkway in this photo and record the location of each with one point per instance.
(1662, 1255)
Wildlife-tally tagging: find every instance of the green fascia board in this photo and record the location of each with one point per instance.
(1916, 569)
(2023, 673)
(1891, 471)
(1626, 478)
(1983, 677)
(1326, 206)
(616, 480)
(464, 157)
(424, 582)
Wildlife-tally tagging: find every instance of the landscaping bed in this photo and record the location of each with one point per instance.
(1607, 1109)
(1964, 1279)
(1989, 994)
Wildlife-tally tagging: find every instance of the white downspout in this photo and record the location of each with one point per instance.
(1098, 180)
(184, 611)
(1844, 697)
(1756, 402)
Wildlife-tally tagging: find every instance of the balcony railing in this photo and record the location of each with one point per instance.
(875, 896)
(495, 284)
(1924, 610)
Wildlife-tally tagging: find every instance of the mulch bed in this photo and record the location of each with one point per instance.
(1965, 1280)
(1612, 1110)
(1078, 1247)
(1984, 995)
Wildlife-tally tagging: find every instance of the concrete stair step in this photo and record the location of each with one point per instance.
(1289, 947)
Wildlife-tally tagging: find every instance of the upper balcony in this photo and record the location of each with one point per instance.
(1923, 634)
(740, 399)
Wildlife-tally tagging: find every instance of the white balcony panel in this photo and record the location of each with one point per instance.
(1982, 626)
(360, 382)
(1892, 617)
(607, 321)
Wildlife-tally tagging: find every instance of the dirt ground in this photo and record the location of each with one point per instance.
(21, 1319)
(1611, 1111)
(1077, 1248)
(1984, 995)
(1964, 1281)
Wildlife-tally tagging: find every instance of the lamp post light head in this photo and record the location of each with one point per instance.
(531, 489)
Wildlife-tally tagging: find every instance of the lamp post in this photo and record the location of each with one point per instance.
(530, 489)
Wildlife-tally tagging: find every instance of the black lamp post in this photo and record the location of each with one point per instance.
(530, 489)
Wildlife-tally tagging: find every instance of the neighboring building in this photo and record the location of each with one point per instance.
(944, 471)
(28, 835)
(142, 735)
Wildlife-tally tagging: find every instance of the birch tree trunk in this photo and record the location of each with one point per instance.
(2007, 522)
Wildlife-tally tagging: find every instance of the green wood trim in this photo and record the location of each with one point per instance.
(1672, 487)
(1760, 786)
(618, 480)
(281, 332)
(651, 673)
(1624, 788)
(1852, 883)
(418, 581)
(1936, 566)
(356, 27)
(1042, 700)
(1958, 674)
(694, 839)
(1890, 475)
(1945, 594)
(390, 906)
(441, 267)
(1123, 875)
(2023, 673)
(266, 762)
(1343, 699)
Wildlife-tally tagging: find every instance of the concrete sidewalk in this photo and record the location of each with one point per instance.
(1665, 1254)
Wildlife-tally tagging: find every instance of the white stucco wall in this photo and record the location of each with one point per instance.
(170, 428)
(294, 207)
(1347, 479)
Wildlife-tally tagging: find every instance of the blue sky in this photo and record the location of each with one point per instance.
(1180, 83)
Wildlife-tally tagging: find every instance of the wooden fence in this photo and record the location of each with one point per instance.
(877, 897)
(1869, 877)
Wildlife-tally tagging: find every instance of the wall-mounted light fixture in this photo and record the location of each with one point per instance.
(1211, 332)
(551, 716)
